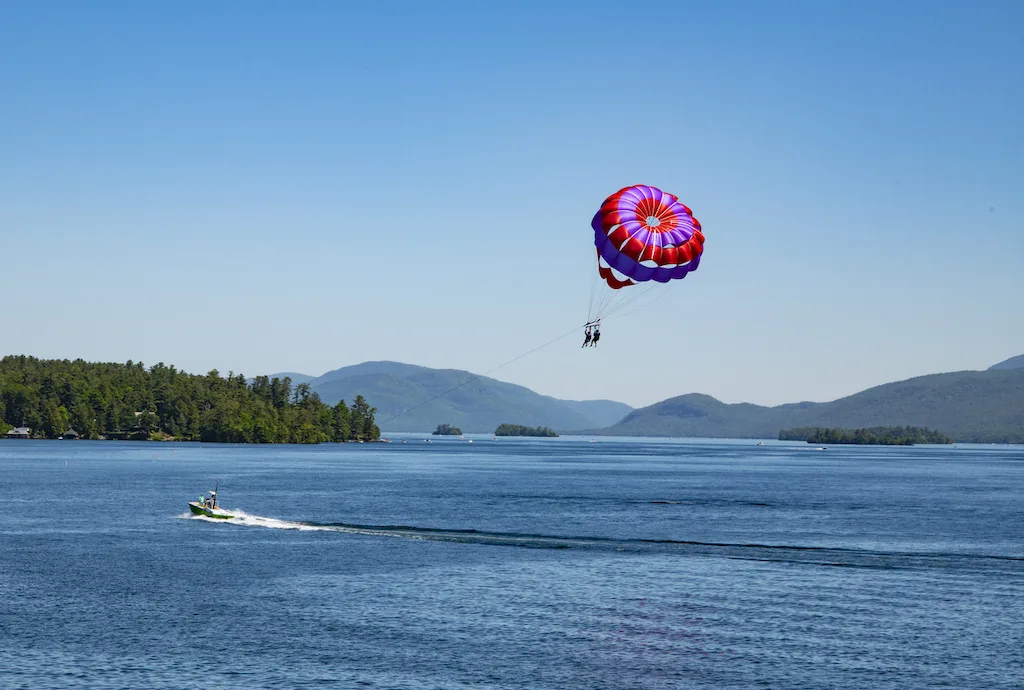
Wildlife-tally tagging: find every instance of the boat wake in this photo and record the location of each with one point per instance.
(246, 520)
(809, 555)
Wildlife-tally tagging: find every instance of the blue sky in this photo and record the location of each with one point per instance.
(259, 187)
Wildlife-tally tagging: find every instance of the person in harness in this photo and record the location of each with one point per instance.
(597, 336)
(586, 338)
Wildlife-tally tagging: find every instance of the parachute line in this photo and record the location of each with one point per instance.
(477, 377)
(672, 234)
(644, 237)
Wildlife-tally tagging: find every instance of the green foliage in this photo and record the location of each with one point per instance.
(55, 418)
(341, 419)
(879, 435)
(519, 430)
(447, 430)
(361, 420)
(130, 401)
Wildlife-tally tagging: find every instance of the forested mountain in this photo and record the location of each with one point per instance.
(1011, 363)
(980, 406)
(400, 390)
(130, 400)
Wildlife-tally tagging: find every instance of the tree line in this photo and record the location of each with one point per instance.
(520, 430)
(106, 400)
(879, 435)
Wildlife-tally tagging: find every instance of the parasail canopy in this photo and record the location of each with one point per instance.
(644, 234)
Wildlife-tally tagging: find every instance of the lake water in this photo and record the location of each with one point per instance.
(516, 563)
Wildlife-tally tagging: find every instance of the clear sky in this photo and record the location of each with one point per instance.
(262, 187)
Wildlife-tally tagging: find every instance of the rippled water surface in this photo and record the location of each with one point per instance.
(516, 563)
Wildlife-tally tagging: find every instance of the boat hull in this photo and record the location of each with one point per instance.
(217, 513)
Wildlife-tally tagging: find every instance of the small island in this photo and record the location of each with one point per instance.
(519, 430)
(876, 436)
(447, 430)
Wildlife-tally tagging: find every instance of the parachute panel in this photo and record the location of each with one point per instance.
(643, 235)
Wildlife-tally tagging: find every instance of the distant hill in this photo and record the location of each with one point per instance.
(1012, 363)
(477, 407)
(980, 406)
(296, 378)
(602, 412)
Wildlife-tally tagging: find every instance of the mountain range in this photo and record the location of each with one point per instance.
(415, 398)
(980, 406)
(1011, 363)
(969, 406)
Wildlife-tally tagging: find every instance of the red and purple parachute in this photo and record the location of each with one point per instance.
(642, 235)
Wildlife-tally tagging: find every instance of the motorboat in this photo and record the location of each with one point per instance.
(208, 507)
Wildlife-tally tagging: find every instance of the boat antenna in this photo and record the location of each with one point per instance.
(216, 488)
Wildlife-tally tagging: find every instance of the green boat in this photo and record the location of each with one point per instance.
(208, 507)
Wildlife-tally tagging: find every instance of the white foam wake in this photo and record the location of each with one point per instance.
(244, 519)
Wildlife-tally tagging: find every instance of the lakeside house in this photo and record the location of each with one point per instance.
(70, 434)
(20, 432)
